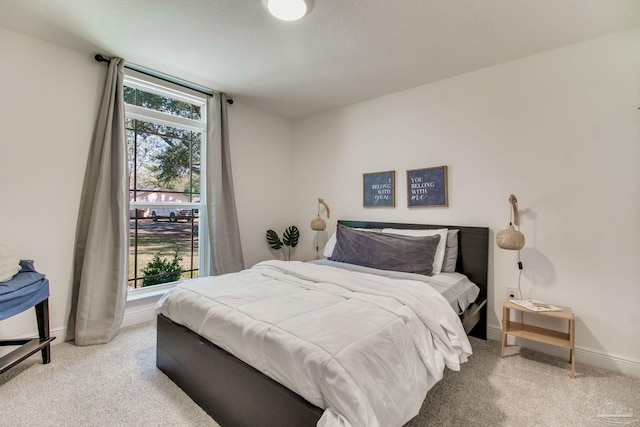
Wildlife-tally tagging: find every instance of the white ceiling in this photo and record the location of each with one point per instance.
(344, 52)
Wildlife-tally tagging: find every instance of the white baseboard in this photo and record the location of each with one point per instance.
(622, 365)
(133, 316)
(141, 308)
(59, 333)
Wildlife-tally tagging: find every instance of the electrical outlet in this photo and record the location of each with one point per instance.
(512, 292)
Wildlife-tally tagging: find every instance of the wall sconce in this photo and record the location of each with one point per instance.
(318, 224)
(511, 238)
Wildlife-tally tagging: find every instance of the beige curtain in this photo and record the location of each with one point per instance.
(100, 270)
(224, 233)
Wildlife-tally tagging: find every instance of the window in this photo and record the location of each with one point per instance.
(165, 131)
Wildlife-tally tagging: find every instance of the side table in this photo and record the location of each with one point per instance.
(543, 335)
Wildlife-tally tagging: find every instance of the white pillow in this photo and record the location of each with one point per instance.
(438, 259)
(9, 263)
(331, 243)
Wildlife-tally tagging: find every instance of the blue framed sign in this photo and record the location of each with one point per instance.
(379, 189)
(427, 187)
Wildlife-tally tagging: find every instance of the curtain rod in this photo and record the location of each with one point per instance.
(165, 77)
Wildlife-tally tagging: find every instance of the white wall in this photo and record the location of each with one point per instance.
(261, 155)
(50, 96)
(560, 130)
(49, 102)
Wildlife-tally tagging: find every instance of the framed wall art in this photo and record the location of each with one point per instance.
(379, 189)
(427, 187)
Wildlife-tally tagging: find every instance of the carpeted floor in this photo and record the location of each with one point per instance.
(118, 385)
(526, 388)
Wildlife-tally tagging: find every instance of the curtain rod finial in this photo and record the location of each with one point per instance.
(100, 58)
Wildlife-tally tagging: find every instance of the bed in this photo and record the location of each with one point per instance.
(236, 394)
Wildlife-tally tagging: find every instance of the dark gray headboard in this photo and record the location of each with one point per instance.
(473, 247)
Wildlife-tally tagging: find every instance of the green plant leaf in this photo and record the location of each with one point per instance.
(274, 241)
(162, 270)
(291, 236)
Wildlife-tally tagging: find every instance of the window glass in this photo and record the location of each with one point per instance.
(164, 247)
(163, 157)
(161, 103)
(164, 161)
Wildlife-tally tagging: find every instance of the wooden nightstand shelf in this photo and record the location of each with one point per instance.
(543, 335)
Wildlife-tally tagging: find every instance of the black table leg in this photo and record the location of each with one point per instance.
(42, 313)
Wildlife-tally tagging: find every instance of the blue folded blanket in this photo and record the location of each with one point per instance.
(26, 289)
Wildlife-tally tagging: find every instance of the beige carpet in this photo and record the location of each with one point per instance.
(119, 385)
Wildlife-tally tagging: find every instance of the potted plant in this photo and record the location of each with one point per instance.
(290, 239)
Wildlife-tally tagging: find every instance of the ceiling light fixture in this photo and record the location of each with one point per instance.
(288, 10)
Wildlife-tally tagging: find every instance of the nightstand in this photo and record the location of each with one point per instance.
(543, 335)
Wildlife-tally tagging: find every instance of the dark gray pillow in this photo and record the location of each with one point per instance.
(385, 251)
(450, 252)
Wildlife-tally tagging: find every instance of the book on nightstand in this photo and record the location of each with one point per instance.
(535, 305)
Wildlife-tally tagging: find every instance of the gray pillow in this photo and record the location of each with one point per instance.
(385, 251)
(450, 252)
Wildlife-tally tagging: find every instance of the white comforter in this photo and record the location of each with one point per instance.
(364, 347)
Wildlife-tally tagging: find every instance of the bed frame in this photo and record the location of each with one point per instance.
(237, 395)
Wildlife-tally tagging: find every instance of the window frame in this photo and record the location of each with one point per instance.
(163, 88)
